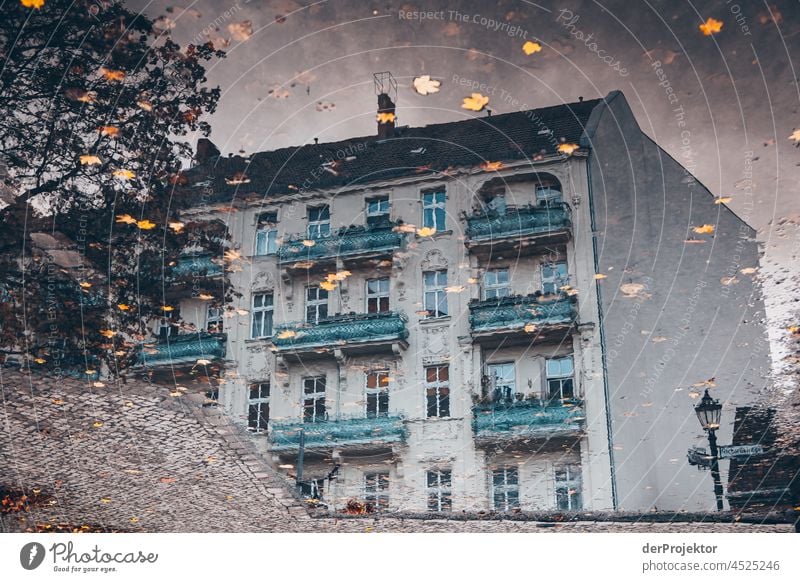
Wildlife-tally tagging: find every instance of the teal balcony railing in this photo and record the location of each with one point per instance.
(348, 241)
(339, 330)
(181, 349)
(195, 265)
(521, 311)
(517, 221)
(285, 436)
(527, 419)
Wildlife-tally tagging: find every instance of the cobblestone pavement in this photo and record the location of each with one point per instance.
(140, 457)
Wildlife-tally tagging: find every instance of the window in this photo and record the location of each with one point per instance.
(497, 204)
(439, 490)
(377, 295)
(560, 382)
(312, 489)
(214, 319)
(496, 284)
(378, 210)
(548, 194)
(376, 490)
(433, 210)
(568, 487)
(437, 390)
(258, 407)
(554, 276)
(435, 284)
(167, 325)
(377, 393)
(262, 315)
(319, 221)
(316, 304)
(505, 488)
(267, 234)
(502, 377)
(314, 399)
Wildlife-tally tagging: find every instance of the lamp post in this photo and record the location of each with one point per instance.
(708, 413)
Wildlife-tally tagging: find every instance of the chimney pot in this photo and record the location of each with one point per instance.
(386, 105)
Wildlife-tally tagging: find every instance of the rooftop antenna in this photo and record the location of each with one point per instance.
(385, 84)
(386, 90)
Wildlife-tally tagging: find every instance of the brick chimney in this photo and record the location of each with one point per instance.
(385, 87)
(205, 151)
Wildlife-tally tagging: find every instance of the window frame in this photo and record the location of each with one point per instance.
(217, 318)
(550, 199)
(440, 495)
(268, 232)
(380, 215)
(556, 281)
(318, 227)
(314, 399)
(437, 208)
(377, 391)
(442, 401)
(316, 304)
(512, 386)
(259, 402)
(573, 481)
(439, 292)
(378, 295)
(561, 378)
(268, 322)
(509, 491)
(376, 486)
(496, 286)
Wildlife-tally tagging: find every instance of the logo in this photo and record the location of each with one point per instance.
(31, 555)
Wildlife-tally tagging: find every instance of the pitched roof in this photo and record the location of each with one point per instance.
(412, 150)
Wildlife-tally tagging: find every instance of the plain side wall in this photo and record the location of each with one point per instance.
(681, 322)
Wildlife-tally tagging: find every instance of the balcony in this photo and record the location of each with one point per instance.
(527, 420)
(193, 274)
(181, 351)
(368, 434)
(355, 333)
(522, 317)
(351, 243)
(518, 230)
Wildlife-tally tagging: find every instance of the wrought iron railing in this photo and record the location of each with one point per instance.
(519, 311)
(285, 436)
(517, 221)
(195, 265)
(527, 419)
(181, 349)
(348, 241)
(341, 330)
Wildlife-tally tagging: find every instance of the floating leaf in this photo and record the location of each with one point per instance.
(567, 148)
(241, 31)
(85, 284)
(108, 333)
(309, 243)
(287, 334)
(599, 276)
(386, 117)
(530, 327)
(112, 75)
(722, 199)
(711, 26)
(327, 286)
(491, 166)
(126, 219)
(424, 85)
(176, 226)
(97, 424)
(37, 4)
(89, 160)
(123, 307)
(704, 229)
(531, 47)
(124, 174)
(454, 289)
(475, 102)
(146, 224)
(426, 231)
(145, 105)
(108, 130)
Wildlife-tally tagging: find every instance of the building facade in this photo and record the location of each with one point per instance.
(440, 318)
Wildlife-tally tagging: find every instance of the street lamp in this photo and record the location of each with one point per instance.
(708, 413)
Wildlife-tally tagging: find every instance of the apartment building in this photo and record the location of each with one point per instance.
(496, 314)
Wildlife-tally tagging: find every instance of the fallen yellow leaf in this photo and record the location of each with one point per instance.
(567, 148)
(424, 85)
(124, 307)
(386, 117)
(711, 26)
(32, 3)
(108, 333)
(531, 47)
(124, 174)
(108, 130)
(426, 231)
(491, 166)
(704, 229)
(475, 102)
(89, 160)
(112, 75)
(722, 199)
(145, 225)
(126, 218)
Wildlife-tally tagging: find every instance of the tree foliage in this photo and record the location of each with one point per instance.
(95, 107)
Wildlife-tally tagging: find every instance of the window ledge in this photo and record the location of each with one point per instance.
(435, 235)
(432, 320)
(255, 340)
